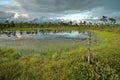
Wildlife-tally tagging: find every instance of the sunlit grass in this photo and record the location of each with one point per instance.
(63, 60)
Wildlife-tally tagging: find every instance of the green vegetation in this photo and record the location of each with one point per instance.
(62, 60)
(109, 24)
(67, 63)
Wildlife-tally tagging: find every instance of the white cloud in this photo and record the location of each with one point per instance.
(69, 9)
(17, 15)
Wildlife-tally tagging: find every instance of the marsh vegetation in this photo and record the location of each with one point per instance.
(60, 58)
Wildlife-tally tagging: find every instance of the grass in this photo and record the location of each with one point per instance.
(32, 45)
(67, 63)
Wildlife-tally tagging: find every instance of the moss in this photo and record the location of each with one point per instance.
(65, 64)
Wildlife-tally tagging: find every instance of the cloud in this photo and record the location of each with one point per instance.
(61, 8)
(63, 5)
(4, 15)
(58, 5)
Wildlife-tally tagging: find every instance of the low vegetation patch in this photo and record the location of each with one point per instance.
(66, 65)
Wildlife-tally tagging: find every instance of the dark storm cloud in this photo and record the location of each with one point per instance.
(67, 5)
(4, 15)
(6, 12)
(56, 8)
(58, 5)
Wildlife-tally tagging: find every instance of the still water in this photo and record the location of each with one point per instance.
(43, 34)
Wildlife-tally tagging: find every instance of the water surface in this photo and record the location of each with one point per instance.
(43, 34)
(43, 40)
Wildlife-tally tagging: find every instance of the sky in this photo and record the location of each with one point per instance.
(59, 9)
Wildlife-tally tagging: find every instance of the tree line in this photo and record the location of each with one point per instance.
(105, 19)
(8, 24)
